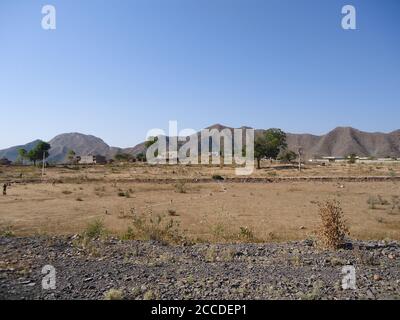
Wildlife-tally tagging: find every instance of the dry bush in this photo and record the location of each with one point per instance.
(180, 187)
(7, 232)
(224, 233)
(395, 205)
(212, 254)
(333, 229)
(158, 228)
(113, 294)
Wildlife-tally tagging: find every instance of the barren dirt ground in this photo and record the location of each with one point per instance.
(70, 198)
(86, 221)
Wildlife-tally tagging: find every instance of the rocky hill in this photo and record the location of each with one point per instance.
(341, 141)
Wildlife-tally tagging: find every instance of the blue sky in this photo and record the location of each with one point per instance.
(116, 69)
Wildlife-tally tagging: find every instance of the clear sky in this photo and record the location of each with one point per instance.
(116, 69)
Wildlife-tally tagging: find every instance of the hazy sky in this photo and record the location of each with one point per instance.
(116, 69)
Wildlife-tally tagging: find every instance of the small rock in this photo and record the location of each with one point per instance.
(377, 277)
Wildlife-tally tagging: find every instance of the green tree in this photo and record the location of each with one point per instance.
(71, 155)
(141, 157)
(37, 153)
(269, 144)
(352, 158)
(287, 156)
(123, 157)
(22, 155)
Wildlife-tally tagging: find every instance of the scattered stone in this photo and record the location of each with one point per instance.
(295, 270)
(377, 277)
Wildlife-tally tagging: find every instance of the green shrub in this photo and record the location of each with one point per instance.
(246, 234)
(95, 229)
(128, 235)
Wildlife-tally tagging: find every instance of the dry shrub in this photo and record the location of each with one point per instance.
(180, 187)
(333, 229)
(224, 233)
(157, 227)
(113, 294)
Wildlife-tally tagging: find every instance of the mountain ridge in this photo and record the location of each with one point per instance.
(341, 141)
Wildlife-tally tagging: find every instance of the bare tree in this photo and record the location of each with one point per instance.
(299, 153)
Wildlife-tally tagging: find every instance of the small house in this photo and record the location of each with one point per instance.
(5, 162)
(92, 159)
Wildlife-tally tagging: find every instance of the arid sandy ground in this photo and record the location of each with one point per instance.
(143, 171)
(93, 215)
(70, 198)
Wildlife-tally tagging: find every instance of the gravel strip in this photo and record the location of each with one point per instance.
(150, 270)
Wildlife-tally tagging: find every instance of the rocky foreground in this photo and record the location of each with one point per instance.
(149, 270)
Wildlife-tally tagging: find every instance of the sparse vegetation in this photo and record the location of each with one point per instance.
(149, 295)
(392, 173)
(255, 206)
(114, 294)
(158, 228)
(246, 235)
(373, 201)
(172, 213)
(95, 229)
(333, 229)
(7, 232)
(180, 187)
(223, 233)
(212, 254)
(395, 205)
(125, 194)
(128, 235)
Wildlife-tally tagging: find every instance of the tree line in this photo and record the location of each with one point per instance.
(39, 152)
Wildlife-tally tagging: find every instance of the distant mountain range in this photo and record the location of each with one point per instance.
(82, 144)
(341, 141)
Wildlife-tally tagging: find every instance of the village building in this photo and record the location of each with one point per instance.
(92, 159)
(5, 162)
(328, 159)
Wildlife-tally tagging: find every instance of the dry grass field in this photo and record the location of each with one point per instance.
(68, 199)
(142, 171)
